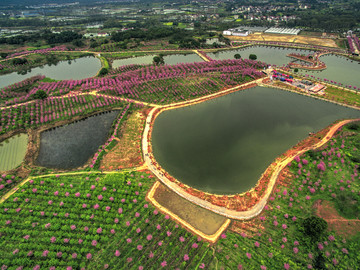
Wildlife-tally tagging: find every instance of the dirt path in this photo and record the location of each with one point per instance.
(16, 188)
(343, 226)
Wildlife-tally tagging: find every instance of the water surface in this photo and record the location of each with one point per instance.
(148, 59)
(12, 151)
(224, 145)
(72, 145)
(76, 69)
(339, 69)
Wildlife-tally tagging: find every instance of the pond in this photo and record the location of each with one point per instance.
(223, 145)
(270, 55)
(12, 151)
(71, 146)
(339, 69)
(76, 69)
(148, 59)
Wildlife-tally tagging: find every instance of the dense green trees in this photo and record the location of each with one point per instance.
(40, 94)
(252, 56)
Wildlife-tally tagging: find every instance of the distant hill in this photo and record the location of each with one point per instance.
(37, 2)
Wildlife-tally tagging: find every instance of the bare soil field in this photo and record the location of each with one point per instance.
(337, 223)
(287, 38)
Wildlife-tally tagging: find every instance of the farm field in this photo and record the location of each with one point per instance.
(288, 38)
(96, 221)
(102, 214)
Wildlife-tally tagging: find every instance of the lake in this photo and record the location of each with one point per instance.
(76, 69)
(148, 59)
(223, 145)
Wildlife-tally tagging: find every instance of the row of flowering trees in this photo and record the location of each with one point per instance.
(125, 83)
(41, 112)
(39, 51)
(93, 221)
(353, 40)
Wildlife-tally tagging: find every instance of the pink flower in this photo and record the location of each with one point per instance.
(100, 197)
(117, 253)
(59, 254)
(248, 255)
(151, 255)
(88, 256)
(52, 239)
(139, 247)
(94, 243)
(158, 227)
(257, 244)
(72, 227)
(74, 255)
(129, 240)
(45, 253)
(163, 264)
(137, 214)
(186, 257)
(223, 236)
(296, 250)
(181, 239)
(129, 260)
(99, 230)
(84, 205)
(138, 230)
(168, 233)
(149, 237)
(286, 266)
(77, 194)
(331, 238)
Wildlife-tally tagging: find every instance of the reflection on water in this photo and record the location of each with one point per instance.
(224, 145)
(81, 68)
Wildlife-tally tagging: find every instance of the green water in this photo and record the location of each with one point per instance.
(148, 59)
(76, 69)
(339, 69)
(224, 145)
(12, 151)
